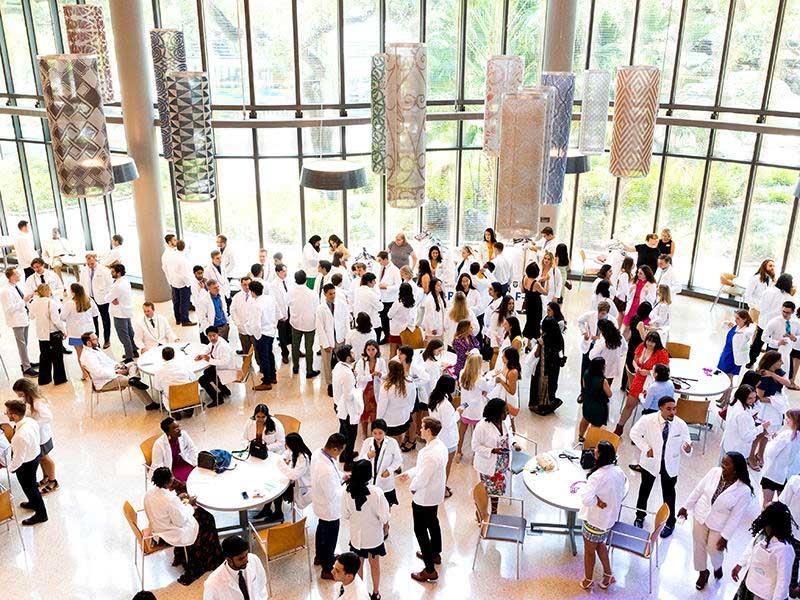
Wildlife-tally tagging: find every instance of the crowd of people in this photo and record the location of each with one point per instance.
(396, 338)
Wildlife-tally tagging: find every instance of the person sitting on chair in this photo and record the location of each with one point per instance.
(221, 370)
(107, 374)
(172, 372)
(174, 450)
(152, 329)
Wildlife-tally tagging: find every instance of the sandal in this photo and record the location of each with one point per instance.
(586, 584)
(447, 492)
(608, 579)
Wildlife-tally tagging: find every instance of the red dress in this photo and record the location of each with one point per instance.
(658, 357)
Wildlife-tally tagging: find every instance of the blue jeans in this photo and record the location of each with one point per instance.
(265, 358)
(180, 304)
(124, 331)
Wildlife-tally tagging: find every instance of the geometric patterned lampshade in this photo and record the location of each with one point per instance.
(169, 54)
(406, 91)
(635, 111)
(564, 85)
(503, 75)
(189, 104)
(378, 113)
(70, 85)
(594, 111)
(86, 34)
(525, 125)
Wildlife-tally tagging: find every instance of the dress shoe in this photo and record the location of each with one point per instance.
(702, 580)
(263, 387)
(31, 372)
(35, 520)
(437, 559)
(295, 371)
(274, 381)
(240, 352)
(35, 365)
(188, 324)
(214, 403)
(425, 576)
(330, 390)
(152, 406)
(107, 345)
(138, 383)
(224, 392)
(636, 468)
(316, 561)
(26, 505)
(285, 360)
(718, 573)
(639, 522)
(667, 531)
(312, 374)
(67, 350)
(326, 575)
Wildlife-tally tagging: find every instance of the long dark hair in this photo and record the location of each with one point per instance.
(406, 295)
(742, 393)
(514, 328)
(778, 518)
(430, 254)
(461, 278)
(610, 333)
(769, 358)
(654, 337)
(439, 296)
(358, 482)
(648, 274)
(511, 355)
(740, 468)
(443, 390)
(423, 268)
(562, 255)
(784, 283)
(603, 288)
(556, 308)
(606, 455)
(643, 311)
(604, 271)
(371, 343)
(432, 347)
(597, 367)
(492, 235)
(363, 323)
(269, 425)
(502, 310)
(296, 445)
(532, 270)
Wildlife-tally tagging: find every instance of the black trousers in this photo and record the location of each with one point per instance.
(26, 475)
(106, 319)
(208, 381)
(265, 358)
(384, 314)
(51, 363)
(427, 532)
(756, 345)
(667, 492)
(350, 432)
(325, 543)
(180, 304)
(284, 337)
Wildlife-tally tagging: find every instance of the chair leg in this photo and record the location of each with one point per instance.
(518, 549)
(308, 559)
(477, 545)
(716, 299)
(269, 578)
(142, 567)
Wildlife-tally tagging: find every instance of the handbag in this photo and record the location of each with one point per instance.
(57, 336)
(258, 448)
(588, 459)
(215, 460)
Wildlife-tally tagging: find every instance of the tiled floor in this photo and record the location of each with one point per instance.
(86, 549)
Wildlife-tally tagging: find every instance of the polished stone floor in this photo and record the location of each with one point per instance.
(85, 551)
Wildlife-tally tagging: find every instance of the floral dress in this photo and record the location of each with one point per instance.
(496, 483)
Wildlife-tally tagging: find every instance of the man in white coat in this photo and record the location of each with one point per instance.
(24, 248)
(428, 479)
(25, 457)
(15, 308)
(389, 281)
(781, 334)
(179, 276)
(226, 253)
(665, 274)
(348, 401)
(367, 299)
(240, 310)
(587, 327)
(263, 326)
(215, 271)
(211, 309)
(41, 275)
(221, 370)
(302, 303)
(345, 572)
(152, 329)
(326, 497)
(172, 372)
(107, 374)
(279, 288)
(241, 573)
(96, 280)
(332, 324)
(662, 437)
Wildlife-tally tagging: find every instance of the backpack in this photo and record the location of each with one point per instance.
(215, 460)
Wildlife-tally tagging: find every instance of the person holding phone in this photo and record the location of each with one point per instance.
(384, 454)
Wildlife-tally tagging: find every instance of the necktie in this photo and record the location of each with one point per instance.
(341, 590)
(211, 353)
(91, 283)
(383, 270)
(284, 287)
(664, 436)
(330, 305)
(21, 295)
(42, 276)
(243, 586)
(152, 323)
(788, 326)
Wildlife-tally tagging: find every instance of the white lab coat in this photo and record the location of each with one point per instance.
(222, 356)
(473, 401)
(780, 453)
(177, 269)
(434, 322)
(332, 327)
(172, 372)
(25, 444)
(162, 453)
(46, 318)
(50, 278)
(367, 300)
(770, 305)
(78, 323)
(24, 249)
(660, 316)
(302, 304)
(223, 583)
(448, 417)
(14, 306)
(300, 474)
(726, 513)
(450, 326)
(348, 400)
(280, 294)
(326, 486)
(755, 290)
(275, 440)
(358, 340)
(775, 331)
(622, 285)
(767, 567)
(608, 484)
(790, 496)
(170, 519)
(486, 438)
(121, 291)
(394, 408)
(366, 525)
(43, 415)
(614, 358)
(310, 260)
(211, 273)
(388, 459)
(587, 323)
(740, 431)
(148, 336)
(429, 477)
(741, 344)
(204, 310)
(101, 367)
(667, 277)
(99, 285)
(646, 434)
(648, 293)
(402, 318)
(391, 279)
(240, 310)
(263, 319)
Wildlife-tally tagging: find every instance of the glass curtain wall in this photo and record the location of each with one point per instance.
(727, 196)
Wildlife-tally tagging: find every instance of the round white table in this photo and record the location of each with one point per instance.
(150, 362)
(697, 379)
(560, 488)
(261, 480)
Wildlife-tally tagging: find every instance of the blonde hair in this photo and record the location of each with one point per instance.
(30, 392)
(459, 310)
(82, 302)
(43, 291)
(462, 329)
(471, 371)
(665, 294)
(552, 258)
(667, 231)
(395, 377)
(406, 270)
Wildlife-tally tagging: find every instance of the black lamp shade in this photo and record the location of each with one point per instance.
(333, 175)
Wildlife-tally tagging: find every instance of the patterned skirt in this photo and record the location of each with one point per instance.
(370, 404)
(496, 483)
(206, 553)
(592, 534)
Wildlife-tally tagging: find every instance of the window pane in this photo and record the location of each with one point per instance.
(781, 149)
(19, 54)
(683, 180)
(477, 195)
(363, 211)
(182, 14)
(324, 215)
(43, 26)
(484, 27)
(563, 226)
(46, 217)
(11, 189)
(438, 214)
(277, 142)
(273, 59)
(595, 203)
(722, 216)
(125, 218)
(746, 72)
(359, 137)
(199, 230)
(167, 210)
(688, 140)
(770, 211)
(442, 35)
(321, 140)
(793, 263)
(319, 51)
(703, 37)
(232, 141)
(611, 39)
(402, 21)
(280, 208)
(74, 225)
(637, 205)
(98, 224)
(657, 36)
(786, 80)
(225, 46)
(526, 34)
(360, 41)
(238, 214)
(581, 42)
(401, 219)
(736, 145)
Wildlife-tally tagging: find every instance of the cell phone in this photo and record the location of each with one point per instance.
(245, 496)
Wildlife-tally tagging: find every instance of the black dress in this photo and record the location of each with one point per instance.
(550, 367)
(533, 313)
(595, 402)
(633, 344)
(665, 247)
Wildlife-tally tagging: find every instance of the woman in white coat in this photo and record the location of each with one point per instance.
(432, 364)
(719, 503)
(491, 447)
(370, 370)
(661, 315)
(47, 321)
(741, 429)
(601, 501)
(174, 450)
(769, 307)
(736, 350)
(779, 455)
(79, 313)
(396, 401)
(474, 394)
(440, 407)
(365, 507)
(611, 346)
(296, 465)
(384, 454)
(39, 408)
(767, 561)
(434, 310)
(459, 311)
(264, 429)
(772, 401)
(402, 316)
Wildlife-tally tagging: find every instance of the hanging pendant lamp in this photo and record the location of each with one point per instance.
(333, 174)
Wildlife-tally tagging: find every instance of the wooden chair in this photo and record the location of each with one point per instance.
(638, 541)
(95, 397)
(144, 542)
(282, 541)
(7, 513)
(412, 338)
(7, 430)
(147, 455)
(728, 286)
(678, 350)
(595, 435)
(591, 272)
(183, 397)
(498, 528)
(290, 424)
(695, 414)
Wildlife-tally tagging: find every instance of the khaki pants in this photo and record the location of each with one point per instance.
(327, 369)
(112, 386)
(704, 545)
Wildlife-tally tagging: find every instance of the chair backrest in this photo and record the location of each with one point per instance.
(582, 252)
(283, 539)
(412, 338)
(6, 510)
(678, 350)
(147, 449)
(247, 367)
(661, 519)
(481, 499)
(130, 517)
(184, 395)
(290, 424)
(595, 435)
(727, 278)
(7, 430)
(694, 412)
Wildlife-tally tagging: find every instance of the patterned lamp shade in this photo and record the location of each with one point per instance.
(564, 86)
(189, 104)
(72, 100)
(525, 122)
(503, 76)
(169, 54)
(406, 91)
(594, 111)
(635, 111)
(378, 113)
(86, 34)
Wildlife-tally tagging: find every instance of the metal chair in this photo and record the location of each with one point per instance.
(7, 513)
(595, 435)
(290, 424)
(282, 541)
(184, 396)
(498, 528)
(728, 286)
(678, 350)
(584, 271)
(95, 396)
(5, 459)
(144, 542)
(245, 374)
(147, 454)
(638, 541)
(695, 414)
(519, 460)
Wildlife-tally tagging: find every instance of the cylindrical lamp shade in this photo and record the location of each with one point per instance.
(564, 85)
(169, 54)
(594, 111)
(378, 113)
(86, 34)
(525, 121)
(635, 111)
(406, 95)
(503, 76)
(72, 100)
(189, 103)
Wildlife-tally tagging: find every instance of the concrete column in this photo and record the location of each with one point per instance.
(135, 66)
(559, 44)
